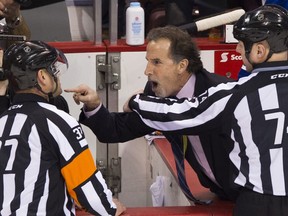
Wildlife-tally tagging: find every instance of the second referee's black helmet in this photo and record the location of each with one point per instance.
(268, 22)
(22, 61)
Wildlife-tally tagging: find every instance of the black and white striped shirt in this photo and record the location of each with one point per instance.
(45, 163)
(253, 112)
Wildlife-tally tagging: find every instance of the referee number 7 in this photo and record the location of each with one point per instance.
(14, 144)
(280, 116)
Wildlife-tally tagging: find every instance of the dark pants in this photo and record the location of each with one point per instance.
(250, 203)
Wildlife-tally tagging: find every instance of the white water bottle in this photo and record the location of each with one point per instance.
(135, 24)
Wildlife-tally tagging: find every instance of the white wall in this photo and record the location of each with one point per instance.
(81, 70)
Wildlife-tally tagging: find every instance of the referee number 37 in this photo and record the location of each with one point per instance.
(79, 133)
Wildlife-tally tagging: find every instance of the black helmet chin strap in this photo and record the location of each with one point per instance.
(271, 52)
(49, 94)
(248, 48)
(50, 98)
(247, 54)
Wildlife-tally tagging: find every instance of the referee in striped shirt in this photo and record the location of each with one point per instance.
(252, 112)
(46, 166)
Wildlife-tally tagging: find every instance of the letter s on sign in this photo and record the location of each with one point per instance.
(224, 57)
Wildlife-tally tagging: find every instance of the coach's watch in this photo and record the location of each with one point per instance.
(12, 24)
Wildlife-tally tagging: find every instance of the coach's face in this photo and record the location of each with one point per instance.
(165, 75)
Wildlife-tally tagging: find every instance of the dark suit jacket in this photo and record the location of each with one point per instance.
(121, 127)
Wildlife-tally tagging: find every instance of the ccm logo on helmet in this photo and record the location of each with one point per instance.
(283, 75)
(224, 57)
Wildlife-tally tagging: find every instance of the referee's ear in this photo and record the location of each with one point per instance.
(43, 79)
(262, 49)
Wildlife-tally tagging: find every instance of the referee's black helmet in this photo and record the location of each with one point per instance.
(22, 61)
(268, 22)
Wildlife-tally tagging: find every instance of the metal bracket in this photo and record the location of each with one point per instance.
(107, 83)
(112, 174)
(108, 71)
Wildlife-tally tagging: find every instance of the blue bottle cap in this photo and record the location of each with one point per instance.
(134, 4)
